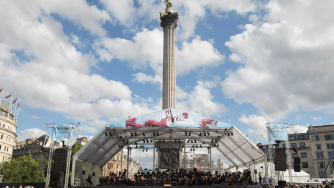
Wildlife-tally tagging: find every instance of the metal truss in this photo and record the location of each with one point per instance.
(288, 159)
(52, 146)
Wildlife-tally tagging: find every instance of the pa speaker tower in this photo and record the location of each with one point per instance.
(280, 159)
(296, 164)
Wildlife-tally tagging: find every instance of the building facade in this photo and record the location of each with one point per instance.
(8, 126)
(313, 148)
(37, 147)
(202, 163)
(115, 165)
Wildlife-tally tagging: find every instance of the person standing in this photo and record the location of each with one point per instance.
(260, 179)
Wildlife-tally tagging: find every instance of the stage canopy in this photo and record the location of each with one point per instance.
(229, 140)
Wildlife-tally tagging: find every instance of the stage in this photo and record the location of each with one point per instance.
(203, 186)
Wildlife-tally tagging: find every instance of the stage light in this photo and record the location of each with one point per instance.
(106, 134)
(179, 141)
(131, 134)
(147, 141)
(204, 133)
(200, 146)
(217, 145)
(216, 140)
(153, 133)
(186, 133)
(196, 146)
(231, 133)
(135, 134)
(212, 141)
(195, 141)
(136, 146)
(192, 141)
(228, 134)
(208, 133)
(151, 141)
(188, 141)
(189, 133)
(157, 134)
(144, 141)
(143, 134)
(163, 141)
(200, 134)
(110, 134)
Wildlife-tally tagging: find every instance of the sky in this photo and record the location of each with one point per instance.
(247, 62)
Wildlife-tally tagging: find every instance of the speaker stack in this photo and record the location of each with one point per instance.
(60, 160)
(296, 164)
(280, 159)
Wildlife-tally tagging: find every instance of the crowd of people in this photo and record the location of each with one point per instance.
(178, 177)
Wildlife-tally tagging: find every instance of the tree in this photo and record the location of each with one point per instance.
(23, 170)
(76, 147)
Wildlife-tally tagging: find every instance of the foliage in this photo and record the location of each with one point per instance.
(23, 170)
(76, 147)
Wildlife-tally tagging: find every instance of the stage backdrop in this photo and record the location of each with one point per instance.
(171, 118)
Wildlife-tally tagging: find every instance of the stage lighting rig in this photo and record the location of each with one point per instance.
(106, 133)
(110, 134)
(200, 134)
(153, 133)
(157, 133)
(135, 133)
(195, 141)
(143, 134)
(208, 133)
(204, 133)
(131, 134)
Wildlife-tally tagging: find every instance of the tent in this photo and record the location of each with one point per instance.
(227, 139)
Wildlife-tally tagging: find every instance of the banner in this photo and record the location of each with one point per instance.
(61, 132)
(278, 132)
(171, 118)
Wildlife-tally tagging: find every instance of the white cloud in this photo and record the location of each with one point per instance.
(298, 117)
(35, 117)
(333, 123)
(257, 123)
(279, 54)
(123, 10)
(200, 101)
(148, 48)
(316, 118)
(30, 133)
(298, 129)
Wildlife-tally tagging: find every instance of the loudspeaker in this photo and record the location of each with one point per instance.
(255, 171)
(83, 172)
(93, 173)
(282, 183)
(296, 164)
(216, 172)
(60, 160)
(280, 160)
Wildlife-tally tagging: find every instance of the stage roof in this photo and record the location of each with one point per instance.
(237, 148)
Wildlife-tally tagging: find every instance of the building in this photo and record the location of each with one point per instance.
(36, 147)
(322, 144)
(202, 163)
(134, 167)
(8, 126)
(115, 165)
(313, 148)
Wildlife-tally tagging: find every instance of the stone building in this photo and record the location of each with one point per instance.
(134, 167)
(202, 163)
(115, 165)
(322, 144)
(8, 126)
(37, 147)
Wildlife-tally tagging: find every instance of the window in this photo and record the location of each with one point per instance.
(329, 154)
(293, 145)
(117, 166)
(110, 165)
(329, 137)
(330, 146)
(284, 146)
(302, 144)
(294, 155)
(1, 136)
(117, 157)
(305, 164)
(303, 155)
(332, 164)
(318, 147)
(292, 138)
(320, 155)
(317, 138)
(321, 165)
(301, 137)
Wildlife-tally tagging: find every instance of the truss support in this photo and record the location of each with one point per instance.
(288, 161)
(52, 147)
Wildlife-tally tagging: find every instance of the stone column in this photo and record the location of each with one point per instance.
(169, 24)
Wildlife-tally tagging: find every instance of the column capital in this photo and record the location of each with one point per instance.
(169, 19)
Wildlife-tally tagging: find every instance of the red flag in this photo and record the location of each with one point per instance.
(18, 104)
(8, 96)
(1, 90)
(14, 101)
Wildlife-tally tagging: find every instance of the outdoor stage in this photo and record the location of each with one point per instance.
(204, 186)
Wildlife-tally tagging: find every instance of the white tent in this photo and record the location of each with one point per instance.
(227, 139)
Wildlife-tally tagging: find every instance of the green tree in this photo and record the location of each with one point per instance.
(76, 147)
(23, 170)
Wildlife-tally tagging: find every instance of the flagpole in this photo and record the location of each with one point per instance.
(1, 95)
(17, 110)
(10, 103)
(17, 102)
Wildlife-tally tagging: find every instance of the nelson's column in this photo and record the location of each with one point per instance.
(169, 24)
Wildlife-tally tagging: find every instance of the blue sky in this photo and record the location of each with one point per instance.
(98, 62)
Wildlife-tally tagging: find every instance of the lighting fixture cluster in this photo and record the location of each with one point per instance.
(204, 133)
(177, 141)
(147, 141)
(192, 141)
(155, 134)
(162, 141)
(133, 134)
(188, 133)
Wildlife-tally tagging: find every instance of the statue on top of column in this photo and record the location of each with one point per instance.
(169, 6)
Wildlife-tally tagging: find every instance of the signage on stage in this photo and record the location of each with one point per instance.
(171, 118)
(278, 132)
(61, 132)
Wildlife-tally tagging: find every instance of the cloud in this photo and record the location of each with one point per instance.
(148, 48)
(30, 133)
(282, 49)
(298, 117)
(298, 129)
(35, 117)
(316, 118)
(257, 124)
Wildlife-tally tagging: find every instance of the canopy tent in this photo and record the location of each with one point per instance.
(227, 139)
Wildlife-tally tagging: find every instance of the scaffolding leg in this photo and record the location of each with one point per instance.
(68, 162)
(47, 183)
(288, 161)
